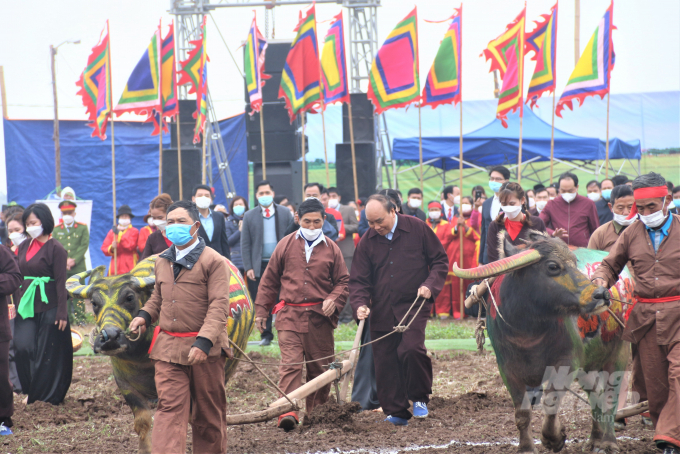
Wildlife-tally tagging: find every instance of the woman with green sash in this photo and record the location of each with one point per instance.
(42, 335)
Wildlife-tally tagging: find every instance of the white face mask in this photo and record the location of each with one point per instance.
(68, 219)
(466, 207)
(532, 202)
(333, 203)
(568, 196)
(203, 202)
(541, 204)
(123, 222)
(551, 198)
(415, 203)
(310, 234)
(621, 219)
(456, 200)
(594, 196)
(654, 220)
(160, 224)
(35, 231)
(511, 211)
(435, 215)
(17, 238)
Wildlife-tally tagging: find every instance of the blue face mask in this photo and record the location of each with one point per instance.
(179, 234)
(676, 202)
(606, 194)
(495, 186)
(265, 200)
(239, 210)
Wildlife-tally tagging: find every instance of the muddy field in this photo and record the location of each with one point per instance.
(470, 412)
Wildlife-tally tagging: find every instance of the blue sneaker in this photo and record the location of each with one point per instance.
(420, 410)
(397, 421)
(4, 430)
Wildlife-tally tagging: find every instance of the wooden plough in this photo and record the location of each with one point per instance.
(295, 398)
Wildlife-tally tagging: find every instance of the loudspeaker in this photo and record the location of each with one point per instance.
(187, 123)
(279, 146)
(365, 157)
(362, 119)
(276, 119)
(286, 177)
(191, 171)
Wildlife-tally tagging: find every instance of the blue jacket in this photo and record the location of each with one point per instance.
(234, 239)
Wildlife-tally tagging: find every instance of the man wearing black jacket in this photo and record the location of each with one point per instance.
(412, 207)
(212, 229)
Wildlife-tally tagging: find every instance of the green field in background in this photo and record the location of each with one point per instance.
(668, 166)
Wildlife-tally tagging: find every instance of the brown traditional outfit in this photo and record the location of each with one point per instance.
(605, 236)
(299, 277)
(190, 301)
(654, 322)
(386, 275)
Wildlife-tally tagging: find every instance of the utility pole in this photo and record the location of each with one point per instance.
(55, 135)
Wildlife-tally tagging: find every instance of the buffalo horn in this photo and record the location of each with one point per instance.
(143, 282)
(75, 285)
(506, 265)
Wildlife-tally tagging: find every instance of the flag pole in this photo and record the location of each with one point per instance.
(325, 153)
(420, 146)
(552, 140)
(264, 159)
(203, 169)
(354, 158)
(304, 164)
(460, 207)
(113, 153)
(179, 156)
(160, 158)
(606, 157)
(519, 158)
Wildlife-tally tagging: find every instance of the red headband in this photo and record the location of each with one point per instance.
(434, 205)
(647, 193)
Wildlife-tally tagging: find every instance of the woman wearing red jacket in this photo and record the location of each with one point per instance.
(124, 243)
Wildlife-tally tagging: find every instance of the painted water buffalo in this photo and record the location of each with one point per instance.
(549, 327)
(116, 301)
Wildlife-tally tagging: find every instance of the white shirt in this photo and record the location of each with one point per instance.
(394, 227)
(495, 207)
(180, 254)
(271, 210)
(449, 212)
(308, 248)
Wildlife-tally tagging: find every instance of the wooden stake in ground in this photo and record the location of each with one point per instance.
(304, 163)
(160, 159)
(420, 147)
(179, 157)
(264, 159)
(354, 158)
(606, 155)
(353, 360)
(460, 207)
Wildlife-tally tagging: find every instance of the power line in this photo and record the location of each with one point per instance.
(225, 45)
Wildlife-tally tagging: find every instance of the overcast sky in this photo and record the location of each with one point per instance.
(647, 44)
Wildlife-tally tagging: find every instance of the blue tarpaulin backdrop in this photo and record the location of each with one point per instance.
(493, 145)
(86, 167)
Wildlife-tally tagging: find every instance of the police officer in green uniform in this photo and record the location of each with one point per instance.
(74, 236)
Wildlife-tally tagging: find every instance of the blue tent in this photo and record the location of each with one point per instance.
(494, 145)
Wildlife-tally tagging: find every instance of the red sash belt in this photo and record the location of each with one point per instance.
(667, 299)
(282, 303)
(158, 330)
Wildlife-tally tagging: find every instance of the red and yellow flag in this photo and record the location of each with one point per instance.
(95, 85)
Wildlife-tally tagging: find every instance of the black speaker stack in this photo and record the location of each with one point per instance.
(282, 139)
(191, 154)
(364, 150)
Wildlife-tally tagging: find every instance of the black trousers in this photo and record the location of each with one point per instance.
(6, 394)
(13, 376)
(43, 356)
(364, 389)
(403, 370)
(252, 289)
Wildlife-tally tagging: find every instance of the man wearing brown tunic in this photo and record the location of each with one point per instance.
(190, 301)
(651, 246)
(621, 203)
(398, 259)
(305, 284)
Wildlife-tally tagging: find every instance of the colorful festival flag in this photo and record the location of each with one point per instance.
(394, 80)
(191, 67)
(333, 64)
(507, 56)
(142, 92)
(496, 50)
(443, 84)
(256, 47)
(95, 85)
(202, 91)
(168, 84)
(593, 70)
(300, 85)
(543, 41)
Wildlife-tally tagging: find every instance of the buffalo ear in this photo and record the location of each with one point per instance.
(505, 247)
(535, 235)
